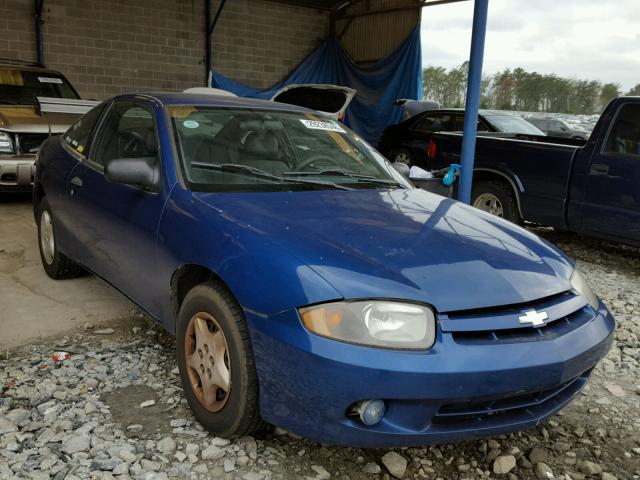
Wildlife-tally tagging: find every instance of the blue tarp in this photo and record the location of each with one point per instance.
(378, 84)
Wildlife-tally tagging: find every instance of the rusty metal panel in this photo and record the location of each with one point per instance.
(373, 36)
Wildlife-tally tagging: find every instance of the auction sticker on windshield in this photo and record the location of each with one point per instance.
(317, 125)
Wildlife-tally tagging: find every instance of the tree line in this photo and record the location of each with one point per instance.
(521, 90)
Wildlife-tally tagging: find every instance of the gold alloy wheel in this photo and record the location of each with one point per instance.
(207, 360)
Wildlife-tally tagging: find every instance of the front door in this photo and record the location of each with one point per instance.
(121, 220)
(612, 188)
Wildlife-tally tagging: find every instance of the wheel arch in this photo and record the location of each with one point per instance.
(514, 183)
(185, 278)
(37, 196)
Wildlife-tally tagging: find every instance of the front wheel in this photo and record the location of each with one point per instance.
(216, 363)
(497, 199)
(55, 263)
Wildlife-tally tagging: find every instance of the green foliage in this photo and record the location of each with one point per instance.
(635, 91)
(520, 90)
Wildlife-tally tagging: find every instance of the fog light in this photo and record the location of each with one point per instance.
(371, 411)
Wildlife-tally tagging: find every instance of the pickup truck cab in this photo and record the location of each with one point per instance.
(591, 188)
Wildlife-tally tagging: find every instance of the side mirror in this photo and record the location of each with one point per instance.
(140, 171)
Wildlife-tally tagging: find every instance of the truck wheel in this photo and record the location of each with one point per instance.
(57, 265)
(402, 155)
(496, 198)
(216, 363)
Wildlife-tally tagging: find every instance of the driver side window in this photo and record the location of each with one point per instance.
(128, 131)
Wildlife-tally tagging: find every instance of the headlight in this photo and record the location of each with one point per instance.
(383, 324)
(6, 144)
(580, 285)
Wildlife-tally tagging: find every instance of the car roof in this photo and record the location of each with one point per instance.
(26, 66)
(169, 99)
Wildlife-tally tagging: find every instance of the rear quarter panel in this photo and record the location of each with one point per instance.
(540, 171)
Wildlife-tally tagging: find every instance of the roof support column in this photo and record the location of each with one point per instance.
(209, 26)
(476, 58)
(37, 15)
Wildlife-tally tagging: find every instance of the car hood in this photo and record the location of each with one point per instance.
(403, 244)
(24, 119)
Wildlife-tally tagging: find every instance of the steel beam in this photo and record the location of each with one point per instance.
(37, 15)
(209, 27)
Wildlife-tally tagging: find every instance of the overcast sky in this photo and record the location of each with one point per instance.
(590, 39)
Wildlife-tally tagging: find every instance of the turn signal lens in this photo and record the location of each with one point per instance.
(580, 285)
(383, 324)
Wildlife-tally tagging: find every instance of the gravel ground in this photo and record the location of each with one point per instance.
(115, 409)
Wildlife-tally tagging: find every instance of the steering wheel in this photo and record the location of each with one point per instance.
(314, 158)
(134, 144)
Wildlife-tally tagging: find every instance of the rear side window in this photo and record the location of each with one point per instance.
(434, 123)
(79, 135)
(624, 137)
(128, 131)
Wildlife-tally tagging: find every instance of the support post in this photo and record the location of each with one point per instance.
(208, 32)
(476, 58)
(37, 15)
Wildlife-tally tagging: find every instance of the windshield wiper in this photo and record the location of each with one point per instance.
(345, 173)
(256, 172)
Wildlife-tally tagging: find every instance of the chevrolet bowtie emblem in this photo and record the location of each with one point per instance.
(534, 318)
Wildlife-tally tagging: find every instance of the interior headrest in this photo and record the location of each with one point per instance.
(263, 142)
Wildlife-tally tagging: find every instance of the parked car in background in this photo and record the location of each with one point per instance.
(589, 188)
(34, 103)
(308, 283)
(330, 100)
(558, 128)
(408, 141)
(413, 107)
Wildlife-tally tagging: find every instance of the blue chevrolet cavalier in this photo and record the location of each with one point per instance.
(308, 284)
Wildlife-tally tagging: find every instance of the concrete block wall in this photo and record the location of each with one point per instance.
(107, 47)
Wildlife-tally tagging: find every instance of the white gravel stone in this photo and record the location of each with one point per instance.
(504, 464)
(395, 463)
(79, 443)
(212, 453)
(166, 445)
(147, 403)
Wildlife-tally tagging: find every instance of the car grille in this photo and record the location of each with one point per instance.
(566, 312)
(30, 142)
(516, 406)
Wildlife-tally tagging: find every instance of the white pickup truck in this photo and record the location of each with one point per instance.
(34, 103)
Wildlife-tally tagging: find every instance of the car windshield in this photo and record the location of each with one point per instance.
(511, 124)
(20, 87)
(259, 150)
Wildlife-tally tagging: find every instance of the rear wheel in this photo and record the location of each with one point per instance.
(216, 363)
(496, 198)
(402, 155)
(55, 263)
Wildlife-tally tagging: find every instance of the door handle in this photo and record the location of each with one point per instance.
(599, 169)
(76, 181)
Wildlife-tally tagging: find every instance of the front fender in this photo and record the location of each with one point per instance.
(263, 277)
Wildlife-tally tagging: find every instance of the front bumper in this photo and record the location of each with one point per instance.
(17, 173)
(456, 391)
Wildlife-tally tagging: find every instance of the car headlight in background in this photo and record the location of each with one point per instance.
(6, 143)
(385, 324)
(580, 285)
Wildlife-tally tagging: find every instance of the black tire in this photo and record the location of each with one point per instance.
(504, 195)
(240, 415)
(401, 155)
(57, 265)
